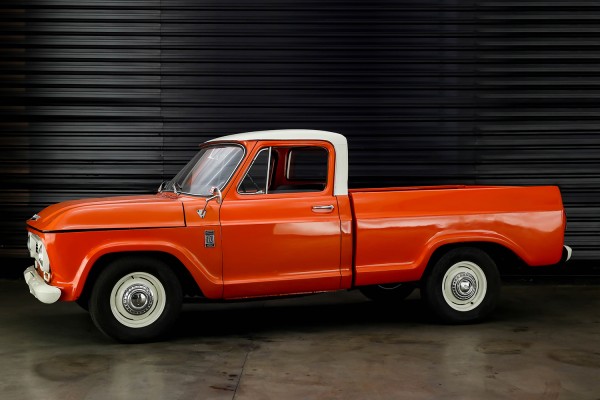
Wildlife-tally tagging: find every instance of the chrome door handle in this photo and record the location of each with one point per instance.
(328, 208)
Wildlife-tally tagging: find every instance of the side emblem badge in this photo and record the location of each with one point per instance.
(209, 238)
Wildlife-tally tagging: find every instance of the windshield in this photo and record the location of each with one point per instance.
(212, 166)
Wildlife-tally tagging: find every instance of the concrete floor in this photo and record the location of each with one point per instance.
(542, 343)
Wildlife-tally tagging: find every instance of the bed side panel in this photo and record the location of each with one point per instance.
(397, 231)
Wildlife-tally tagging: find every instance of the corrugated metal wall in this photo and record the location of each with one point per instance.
(104, 97)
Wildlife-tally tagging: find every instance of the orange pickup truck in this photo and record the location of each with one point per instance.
(269, 214)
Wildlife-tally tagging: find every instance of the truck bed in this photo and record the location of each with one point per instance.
(398, 229)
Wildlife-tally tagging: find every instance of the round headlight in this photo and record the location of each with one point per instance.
(30, 245)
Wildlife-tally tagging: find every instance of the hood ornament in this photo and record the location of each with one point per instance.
(35, 217)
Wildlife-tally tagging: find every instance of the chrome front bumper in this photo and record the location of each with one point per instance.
(567, 253)
(40, 289)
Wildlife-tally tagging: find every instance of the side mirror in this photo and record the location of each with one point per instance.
(215, 194)
(162, 186)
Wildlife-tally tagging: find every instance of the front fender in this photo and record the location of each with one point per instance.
(77, 253)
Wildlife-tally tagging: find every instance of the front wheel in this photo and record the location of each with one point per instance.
(463, 286)
(135, 299)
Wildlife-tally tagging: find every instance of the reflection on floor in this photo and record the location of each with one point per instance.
(543, 342)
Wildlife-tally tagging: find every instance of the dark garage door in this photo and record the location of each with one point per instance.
(107, 97)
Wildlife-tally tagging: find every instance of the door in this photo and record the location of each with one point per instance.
(280, 223)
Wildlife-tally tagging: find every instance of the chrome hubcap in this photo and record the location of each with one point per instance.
(137, 299)
(464, 286)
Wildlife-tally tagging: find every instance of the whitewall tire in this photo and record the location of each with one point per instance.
(462, 286)
(135, 299)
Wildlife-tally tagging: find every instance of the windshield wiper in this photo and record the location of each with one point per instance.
(170, 186)
(163, 186)
(176, 188)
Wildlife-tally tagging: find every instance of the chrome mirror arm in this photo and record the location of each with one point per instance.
(218, 196)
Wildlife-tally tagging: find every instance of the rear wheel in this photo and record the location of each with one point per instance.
(388, 292)
(135, 299)
(463, 286)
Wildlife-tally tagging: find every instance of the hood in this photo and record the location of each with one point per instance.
(125, 212)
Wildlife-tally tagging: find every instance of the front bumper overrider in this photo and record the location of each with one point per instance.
(41, 290)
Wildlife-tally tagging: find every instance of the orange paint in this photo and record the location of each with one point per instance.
(278, 243)
(398, 230)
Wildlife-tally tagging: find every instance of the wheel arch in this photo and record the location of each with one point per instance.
(188, 284)
(506, 260)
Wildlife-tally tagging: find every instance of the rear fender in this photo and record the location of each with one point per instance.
(470, 237)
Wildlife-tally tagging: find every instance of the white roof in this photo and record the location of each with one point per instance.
(340, 184)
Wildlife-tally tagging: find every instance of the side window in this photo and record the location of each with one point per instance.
(302, 169)
(307, 164)
(255, 181)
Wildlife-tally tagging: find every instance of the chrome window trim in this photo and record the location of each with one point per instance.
(288, 164)
(232, 173)
(248, 170)
(288, 161)
(339, 143)
(268, 170)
